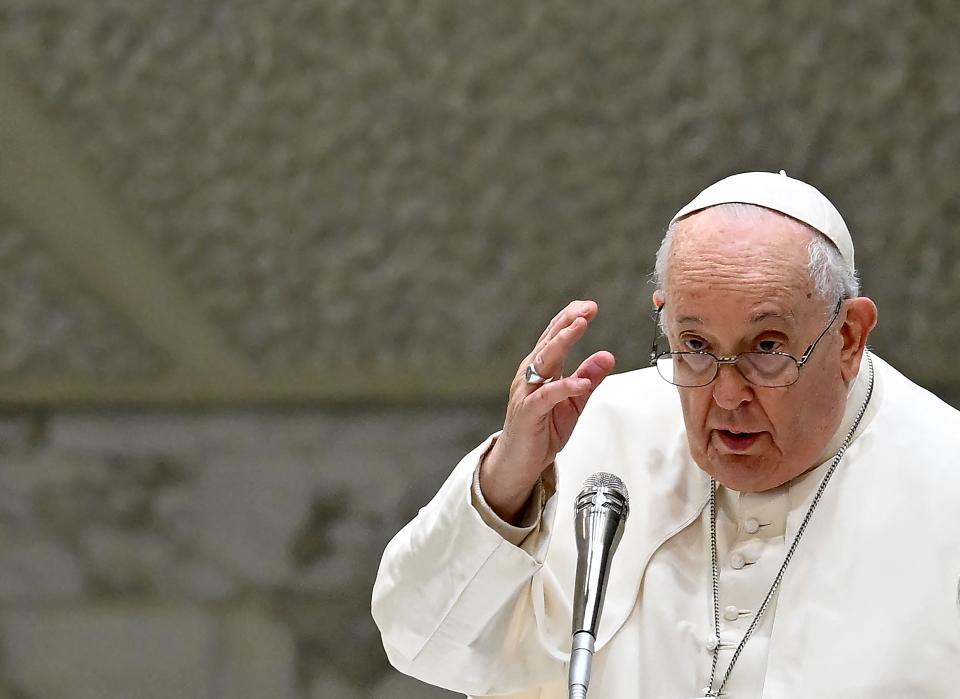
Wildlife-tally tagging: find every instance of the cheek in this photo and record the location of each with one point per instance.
(796, 416)
(696, 406)
(784, 418)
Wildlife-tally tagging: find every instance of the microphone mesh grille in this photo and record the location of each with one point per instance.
(602, 479)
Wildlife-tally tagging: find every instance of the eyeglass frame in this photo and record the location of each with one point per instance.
(720, 361)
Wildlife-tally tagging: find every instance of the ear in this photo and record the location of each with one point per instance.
(658, 299)
(859, 319)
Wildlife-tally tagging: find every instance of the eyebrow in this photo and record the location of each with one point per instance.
(765, 315)
(690, 319)
(755, 318)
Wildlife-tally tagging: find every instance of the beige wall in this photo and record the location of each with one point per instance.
(229, 554)
(267, 267)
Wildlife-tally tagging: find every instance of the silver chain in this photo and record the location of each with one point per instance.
(715, 566)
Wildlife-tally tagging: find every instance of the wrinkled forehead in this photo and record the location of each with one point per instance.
(742, 236)
(743, 258)
(778, 192)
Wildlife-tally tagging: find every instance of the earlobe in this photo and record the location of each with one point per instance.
(658, 299)
(859, 321)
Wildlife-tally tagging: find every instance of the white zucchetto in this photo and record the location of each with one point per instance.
(782, 193)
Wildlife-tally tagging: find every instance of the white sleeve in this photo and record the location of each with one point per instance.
(453, 597)
(515, 534)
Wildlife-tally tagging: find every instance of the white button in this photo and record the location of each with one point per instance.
(751, 526)
(731, 613)
(737, 561)
(711, 643)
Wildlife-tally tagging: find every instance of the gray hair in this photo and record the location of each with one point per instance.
(832, 278)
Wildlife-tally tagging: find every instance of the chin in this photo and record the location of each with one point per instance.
(743, 473)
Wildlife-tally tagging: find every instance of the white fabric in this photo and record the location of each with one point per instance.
(514, 533)
(749, 561)
(781, 193)
(869, 606)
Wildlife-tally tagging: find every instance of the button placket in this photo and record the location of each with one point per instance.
(725, 642)
(733, 613)
(754, 525)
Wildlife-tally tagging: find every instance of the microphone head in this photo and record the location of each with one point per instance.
(603, 490)
(602, 479)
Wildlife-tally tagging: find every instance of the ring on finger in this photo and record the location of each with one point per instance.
(533, 378)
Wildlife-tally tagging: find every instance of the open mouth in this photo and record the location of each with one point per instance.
(738, 441)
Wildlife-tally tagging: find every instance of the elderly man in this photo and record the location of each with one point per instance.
(795, 526)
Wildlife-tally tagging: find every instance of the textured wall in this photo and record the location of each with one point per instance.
(208, 556)
(52, 327)
(365, 191)
(414, 187)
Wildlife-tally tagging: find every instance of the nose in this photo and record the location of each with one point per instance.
(730, 389)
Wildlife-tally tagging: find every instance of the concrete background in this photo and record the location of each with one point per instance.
(266, 269)
(213, 554)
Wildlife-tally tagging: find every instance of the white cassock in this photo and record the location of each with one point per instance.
(868, 607)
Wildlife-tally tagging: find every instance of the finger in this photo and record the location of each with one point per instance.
(569, 315)
(549, 360)
(543, 400)
(595, 369)
(572, 311)
(557, 319)
(551, 365)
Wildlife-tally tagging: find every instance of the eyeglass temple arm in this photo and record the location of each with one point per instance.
(806, 355)
(656, 330)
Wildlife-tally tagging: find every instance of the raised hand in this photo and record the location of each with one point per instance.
(541, 417)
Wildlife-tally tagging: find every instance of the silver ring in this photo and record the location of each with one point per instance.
(533, 378)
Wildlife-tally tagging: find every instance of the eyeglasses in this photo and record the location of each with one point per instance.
(768, 369)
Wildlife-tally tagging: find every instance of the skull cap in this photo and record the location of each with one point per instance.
(782, 193)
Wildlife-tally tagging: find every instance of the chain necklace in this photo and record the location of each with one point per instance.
(708, 690)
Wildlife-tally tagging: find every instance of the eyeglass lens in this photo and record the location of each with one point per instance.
(760, 368)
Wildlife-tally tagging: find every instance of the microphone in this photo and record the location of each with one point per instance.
(601, 512)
